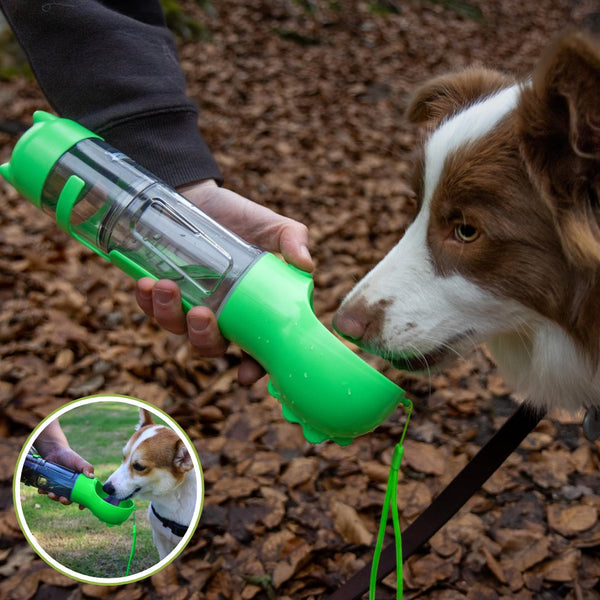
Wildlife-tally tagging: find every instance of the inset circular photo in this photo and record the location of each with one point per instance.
(108, 489)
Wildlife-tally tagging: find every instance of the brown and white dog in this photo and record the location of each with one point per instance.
(505, 248)
(157, 467)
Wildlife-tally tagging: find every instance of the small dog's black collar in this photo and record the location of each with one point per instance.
(178, 529)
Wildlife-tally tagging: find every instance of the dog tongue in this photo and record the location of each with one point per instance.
(112, 500)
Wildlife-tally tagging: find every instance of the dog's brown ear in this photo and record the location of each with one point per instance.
(445, 95)
(182, 460)
(145, 418)
(559, 128)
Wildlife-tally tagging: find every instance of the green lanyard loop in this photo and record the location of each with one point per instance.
(133, 541)
(391, 499)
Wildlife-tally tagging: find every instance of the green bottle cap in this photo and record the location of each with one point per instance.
(38, 150)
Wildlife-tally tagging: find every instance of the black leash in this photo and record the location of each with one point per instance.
(450, 500)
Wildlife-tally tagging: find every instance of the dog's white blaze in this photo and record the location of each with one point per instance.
(145, 435)
(468, 125)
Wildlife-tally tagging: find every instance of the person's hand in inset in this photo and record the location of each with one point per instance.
(53, 446)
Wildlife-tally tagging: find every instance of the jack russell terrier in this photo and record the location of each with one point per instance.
(157, 467)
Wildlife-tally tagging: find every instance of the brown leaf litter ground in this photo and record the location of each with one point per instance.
(305, 114)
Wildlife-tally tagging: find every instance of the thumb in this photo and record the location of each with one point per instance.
(293, 246)
(88, 471)
(70, 459)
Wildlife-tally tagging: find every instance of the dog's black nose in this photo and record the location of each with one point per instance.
(109, 488)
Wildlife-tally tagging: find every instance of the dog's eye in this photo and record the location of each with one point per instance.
(138, 467)
(465, 233)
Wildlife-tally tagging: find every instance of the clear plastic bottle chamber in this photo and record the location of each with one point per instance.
(118, 208)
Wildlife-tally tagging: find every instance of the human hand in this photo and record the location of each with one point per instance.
(255, 224)
(54, 447)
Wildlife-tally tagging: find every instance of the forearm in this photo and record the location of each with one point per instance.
(51, 440)
(113, 67)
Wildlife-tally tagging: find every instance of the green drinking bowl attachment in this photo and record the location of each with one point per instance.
(89, 493)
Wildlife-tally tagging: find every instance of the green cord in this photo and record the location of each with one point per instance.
(133, 541)
(391, 497)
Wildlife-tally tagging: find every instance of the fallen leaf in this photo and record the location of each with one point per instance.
(425, 572)
(494, 566)
(531, 555)
(563, 568)
(572, 520)
(286, 569)
(413, 498)
(236, 487)
(424, 458)
(299, 471)
(550, 469)
(349, 525)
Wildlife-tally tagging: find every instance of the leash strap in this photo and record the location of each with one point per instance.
(450, 500)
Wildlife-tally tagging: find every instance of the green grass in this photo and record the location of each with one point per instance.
(76, 538)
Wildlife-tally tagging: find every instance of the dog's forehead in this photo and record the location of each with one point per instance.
(151, 439)
(462, 128)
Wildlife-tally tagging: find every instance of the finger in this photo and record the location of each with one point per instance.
(166, 306)
(53, 496)
(249, 370)
(79, 464)
(204, 333)
(143, 294)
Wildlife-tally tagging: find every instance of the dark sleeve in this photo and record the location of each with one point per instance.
(112, 66)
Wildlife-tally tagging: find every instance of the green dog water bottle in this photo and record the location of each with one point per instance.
(59, 480)
(125, 214)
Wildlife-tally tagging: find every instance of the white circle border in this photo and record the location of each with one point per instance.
(108, 580)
